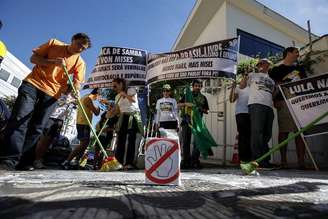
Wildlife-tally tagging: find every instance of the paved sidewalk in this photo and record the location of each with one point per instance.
(209, 193)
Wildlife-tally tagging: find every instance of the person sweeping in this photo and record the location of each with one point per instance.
(37, 98)
(83, 128)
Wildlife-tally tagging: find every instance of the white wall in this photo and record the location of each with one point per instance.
(236, 18)
(16, 69)
(216, 28)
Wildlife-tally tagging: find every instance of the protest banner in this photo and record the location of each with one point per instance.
(118, 62)
(211, 60)
(306, 100)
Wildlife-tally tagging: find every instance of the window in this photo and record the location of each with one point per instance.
(4, 75)
(16, 82)
(253, 46)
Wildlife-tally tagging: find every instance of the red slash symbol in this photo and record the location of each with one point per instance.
(161, 160)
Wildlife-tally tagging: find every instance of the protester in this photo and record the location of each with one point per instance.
(52, 131)
(83, 128)
(200, 101)
(261, 88)
(286, 72)
(167, 110)
(129, 122)
(243, 121)
(37, 97)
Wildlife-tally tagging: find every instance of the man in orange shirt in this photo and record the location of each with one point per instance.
(37, 97)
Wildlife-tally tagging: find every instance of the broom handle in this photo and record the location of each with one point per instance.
(291, 137)
(100, 132)
(84, 113)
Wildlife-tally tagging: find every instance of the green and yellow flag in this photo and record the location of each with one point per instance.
(202, 137)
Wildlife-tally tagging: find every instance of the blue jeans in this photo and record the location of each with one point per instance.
(29, 117)
(261, 117)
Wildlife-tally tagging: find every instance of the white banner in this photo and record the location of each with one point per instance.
(307, 99)
(118, 62)
(211, 60)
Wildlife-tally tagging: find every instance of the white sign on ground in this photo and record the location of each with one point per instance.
(162, 161)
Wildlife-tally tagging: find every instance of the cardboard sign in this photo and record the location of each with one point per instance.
(306, 100)
(162, 161)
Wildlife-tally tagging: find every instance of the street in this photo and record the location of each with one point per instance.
(207, 193)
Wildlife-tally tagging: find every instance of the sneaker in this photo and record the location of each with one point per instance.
(74, 164)
(65, 165)
(129, 167)
(37, 164)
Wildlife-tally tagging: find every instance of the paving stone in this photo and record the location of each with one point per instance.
(208, 193)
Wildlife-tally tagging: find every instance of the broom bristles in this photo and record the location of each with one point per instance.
(110, 164)
(248, 168)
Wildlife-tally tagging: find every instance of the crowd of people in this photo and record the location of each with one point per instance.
(256, 97)
(39, 111)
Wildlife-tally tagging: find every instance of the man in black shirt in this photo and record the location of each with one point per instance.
(286, 72)
(200, 101)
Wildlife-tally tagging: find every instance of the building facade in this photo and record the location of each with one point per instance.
(12, 72)
(262, 32)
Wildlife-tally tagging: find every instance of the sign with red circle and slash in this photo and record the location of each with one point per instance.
(162, 161)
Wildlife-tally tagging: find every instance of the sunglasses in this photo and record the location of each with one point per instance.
(166, 91)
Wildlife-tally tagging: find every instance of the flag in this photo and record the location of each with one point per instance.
(202, 137)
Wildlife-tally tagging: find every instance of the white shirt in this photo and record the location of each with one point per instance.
(125, 105)
(167, 110)
(261, 88)
(242, 100)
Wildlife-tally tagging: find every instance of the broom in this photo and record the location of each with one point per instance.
(109, 163)
(248, 168)
(84, 159)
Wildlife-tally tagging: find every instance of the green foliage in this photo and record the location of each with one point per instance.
(249, 65)
(157, 88)
(246, 66)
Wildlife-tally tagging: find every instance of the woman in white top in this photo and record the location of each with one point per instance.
(129, 122)
(167, 110)
(243, 121)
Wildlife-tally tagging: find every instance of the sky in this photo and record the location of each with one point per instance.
(152, 25)
(299, 11)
